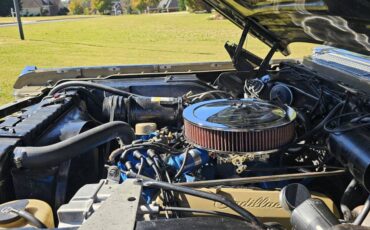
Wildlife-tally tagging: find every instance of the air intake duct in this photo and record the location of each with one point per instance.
(239, 126)
(164, 111)
(352, 149)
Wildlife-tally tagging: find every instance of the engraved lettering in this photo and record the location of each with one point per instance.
(260, 202)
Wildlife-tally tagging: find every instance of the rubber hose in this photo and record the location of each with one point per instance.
(52, 155)
(109, 89)
(364, 212)
(347, 215)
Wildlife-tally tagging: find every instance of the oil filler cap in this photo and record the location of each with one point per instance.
(292, 195)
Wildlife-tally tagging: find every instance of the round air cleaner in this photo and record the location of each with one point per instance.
(239, 126)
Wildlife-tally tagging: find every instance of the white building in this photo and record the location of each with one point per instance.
(40, 7)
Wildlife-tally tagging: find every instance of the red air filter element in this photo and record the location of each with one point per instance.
(239, 126)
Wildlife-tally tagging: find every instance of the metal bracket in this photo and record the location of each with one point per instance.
(242, 59)
(266, 61)
(119, 210)
(239, 48)
(239, 54)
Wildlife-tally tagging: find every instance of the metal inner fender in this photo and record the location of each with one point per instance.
(239, 126)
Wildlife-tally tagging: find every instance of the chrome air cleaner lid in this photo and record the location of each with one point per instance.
(250, 114)
(245, 125)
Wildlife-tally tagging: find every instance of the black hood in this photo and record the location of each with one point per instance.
(338, 23)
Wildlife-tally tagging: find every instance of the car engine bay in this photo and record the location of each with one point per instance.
(286, 148)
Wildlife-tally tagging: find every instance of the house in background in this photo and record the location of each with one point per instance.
(116, 8)
(168, 6)
(40, 7)
(164, 6)
(120, 7)
(64, 3)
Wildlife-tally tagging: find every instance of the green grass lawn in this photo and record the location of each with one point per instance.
(132, 39)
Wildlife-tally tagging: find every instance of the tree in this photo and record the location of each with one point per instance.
(76, 7)
(197, 5)
(182, 5)
(101, 5)
(126, 6)
(141, 5)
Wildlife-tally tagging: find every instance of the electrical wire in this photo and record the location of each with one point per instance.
(209, 92)
(152, 160)
(154, 157)
(351, 125)
(301, 91)
(156, 145)
(246, 215)
(167, 196)
(160, 164)
(210, 212)
(181, 169)
(252, 88)
(318, 126)
(317, 104)
(308, 78)
(125, 149)
(141, 167)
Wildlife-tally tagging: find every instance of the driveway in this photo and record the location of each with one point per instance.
(9, 24)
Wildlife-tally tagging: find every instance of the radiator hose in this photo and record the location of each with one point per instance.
(52, 155)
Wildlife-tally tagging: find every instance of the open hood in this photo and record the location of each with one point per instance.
(343, 24)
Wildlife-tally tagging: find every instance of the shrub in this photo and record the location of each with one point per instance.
(44, 12)
(142, 5)
(63, 11)
(182, 5)
(197, 5)
(101, 6)
(76, 7)
(86, 11)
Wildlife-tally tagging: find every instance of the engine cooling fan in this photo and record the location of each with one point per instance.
(239, 126)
